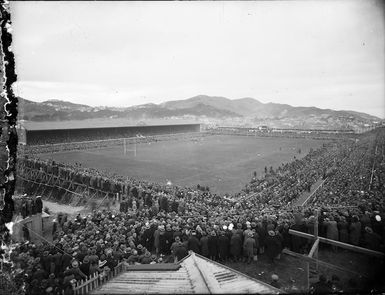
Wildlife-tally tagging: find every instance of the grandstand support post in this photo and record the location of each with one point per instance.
(125, 146)
(48, 182)
(56, 178)
(316, 237)
(307, 277)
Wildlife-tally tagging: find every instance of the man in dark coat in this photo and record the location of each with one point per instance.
(46, 261)
(236, 246)
(169, 238)
(40, 274)
(174, 206)
(224, 245)
(85, 266)
(193, 243)
(148, 237)
(57, 260)
(123, 206)
(163, 203)
(66, 259)
(298, 243)
(371, 239)
(213, 246)
(164, 245)
(148, 200)
(204, 241)
(273, 245)
(178, 249)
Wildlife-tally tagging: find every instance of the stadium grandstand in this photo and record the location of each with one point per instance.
(285, 219)
(54, 133)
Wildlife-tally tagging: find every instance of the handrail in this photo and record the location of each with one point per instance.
(86, 286)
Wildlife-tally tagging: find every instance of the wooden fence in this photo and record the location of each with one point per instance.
(86, 286)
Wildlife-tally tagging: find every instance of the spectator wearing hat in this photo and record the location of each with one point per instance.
(365, 220)
(134, 258)
(75, 270)
(146, 259)
(178, 250)
(82, 253)
(248, 246)
(371, 239)
(247, 230)
(85, 266)
(153, 259)
(273, 246)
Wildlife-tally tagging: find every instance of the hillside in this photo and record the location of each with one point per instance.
(209, 109)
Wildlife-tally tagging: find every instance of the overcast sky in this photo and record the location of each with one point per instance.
(328, 54)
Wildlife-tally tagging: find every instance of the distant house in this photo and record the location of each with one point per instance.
(263, 128)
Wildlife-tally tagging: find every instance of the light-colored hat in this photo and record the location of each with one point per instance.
(274, 277)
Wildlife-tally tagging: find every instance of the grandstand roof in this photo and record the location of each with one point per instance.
(98, 123)
(194, 274)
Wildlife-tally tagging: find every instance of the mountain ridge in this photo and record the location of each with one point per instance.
(245, 111)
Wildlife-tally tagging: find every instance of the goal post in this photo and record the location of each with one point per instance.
(125, 150)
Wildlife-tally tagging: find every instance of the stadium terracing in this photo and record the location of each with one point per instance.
(64, 132)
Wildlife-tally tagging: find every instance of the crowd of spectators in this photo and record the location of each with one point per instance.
(58, 136)
(160, 223)
(293, 133)
(27, 205)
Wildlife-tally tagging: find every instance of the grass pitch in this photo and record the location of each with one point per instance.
(224, 163)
